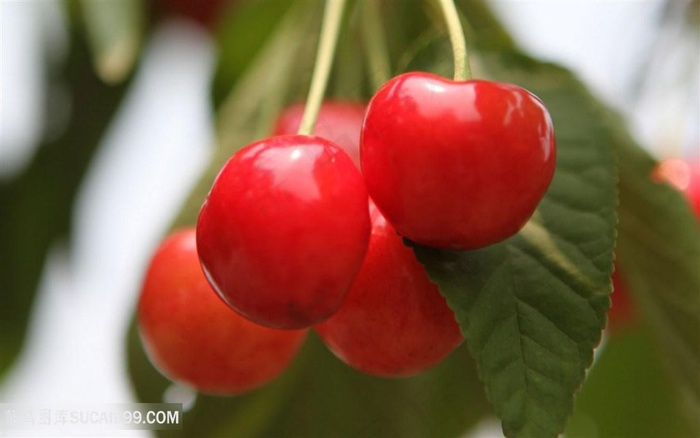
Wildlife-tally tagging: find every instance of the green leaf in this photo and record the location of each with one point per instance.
(532, 308)
(659, 255)
(628, 393)
(114, 30)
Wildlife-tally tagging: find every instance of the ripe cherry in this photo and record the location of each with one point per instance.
(284, 230)
(394, 322)
(622, 312)
(339, 122)
(684, 175)
(457, 165)
(194, 338)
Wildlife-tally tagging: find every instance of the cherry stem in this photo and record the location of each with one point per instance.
(332, 17)
(459, 45)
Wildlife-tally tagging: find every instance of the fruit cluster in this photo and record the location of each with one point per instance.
(293, 235)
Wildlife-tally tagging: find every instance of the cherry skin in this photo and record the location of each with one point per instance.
(192, 337)
(339, 122)
(456, 165)
(284, 230)
(394, 322)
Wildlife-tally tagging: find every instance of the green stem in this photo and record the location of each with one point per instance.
(459, 45)
(375, 44)
(332, 17)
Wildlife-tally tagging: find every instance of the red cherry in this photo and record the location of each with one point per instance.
(339, 122)
(683, 175)
(194, 338)
(622, 312)
(457, 165)
(204, 12)
(394, 322)
(284, 230)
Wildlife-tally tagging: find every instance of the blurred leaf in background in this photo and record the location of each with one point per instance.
(628, 393)
(114, 31)
(37, 204)
(659, 254)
